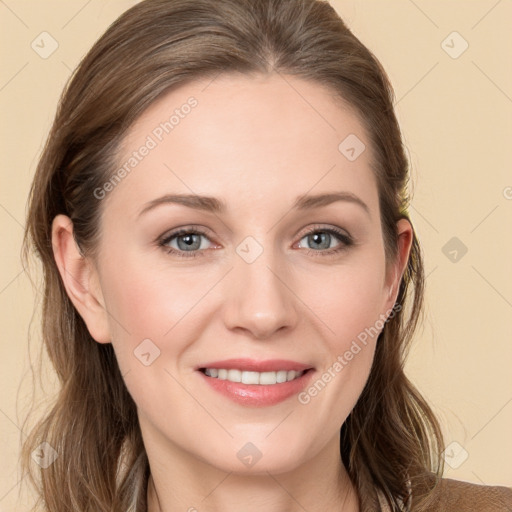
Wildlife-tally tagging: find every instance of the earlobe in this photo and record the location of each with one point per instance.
(80, 279)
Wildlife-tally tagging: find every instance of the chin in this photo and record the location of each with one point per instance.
(259, 457)
(261, 467)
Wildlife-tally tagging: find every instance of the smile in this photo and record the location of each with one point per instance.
(248, 377)
(256, 389)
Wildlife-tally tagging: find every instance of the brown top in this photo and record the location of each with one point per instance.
(457, 496)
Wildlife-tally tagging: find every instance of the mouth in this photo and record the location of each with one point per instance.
(256, 384)
(254, 378)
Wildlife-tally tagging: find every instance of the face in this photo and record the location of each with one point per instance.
(266, 273)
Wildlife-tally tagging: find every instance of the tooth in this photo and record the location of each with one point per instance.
(234, 375)
(250, 377)
(261, 378)
(281, 376)
(268, 378)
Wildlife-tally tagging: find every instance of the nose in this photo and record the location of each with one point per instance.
(260, 300)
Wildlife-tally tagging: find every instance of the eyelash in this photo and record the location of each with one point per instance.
(345, 239)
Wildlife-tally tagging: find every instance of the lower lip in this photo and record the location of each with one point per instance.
(257, 395)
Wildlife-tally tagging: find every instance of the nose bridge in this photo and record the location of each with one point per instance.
(258, 299)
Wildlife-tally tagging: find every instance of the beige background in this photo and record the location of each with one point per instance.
(456, 118)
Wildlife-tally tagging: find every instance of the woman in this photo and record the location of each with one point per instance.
(221, 213)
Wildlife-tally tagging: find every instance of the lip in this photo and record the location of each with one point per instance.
(252, 365)
(257, 395)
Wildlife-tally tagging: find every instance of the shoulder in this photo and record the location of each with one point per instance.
(454, 495)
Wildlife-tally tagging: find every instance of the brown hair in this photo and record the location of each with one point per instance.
(391, 439)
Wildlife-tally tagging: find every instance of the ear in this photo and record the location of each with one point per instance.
(396, 269)
(80, 279)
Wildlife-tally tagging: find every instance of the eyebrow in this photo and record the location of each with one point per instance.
(214, 205)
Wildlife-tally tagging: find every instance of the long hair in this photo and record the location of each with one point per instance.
(391, 441)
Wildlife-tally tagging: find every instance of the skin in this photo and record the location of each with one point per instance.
(256, 143)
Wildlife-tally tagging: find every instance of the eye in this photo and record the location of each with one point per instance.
(320, 240)
(188, 242)
(185, 242)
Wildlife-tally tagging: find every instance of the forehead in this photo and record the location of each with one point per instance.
(247, 139)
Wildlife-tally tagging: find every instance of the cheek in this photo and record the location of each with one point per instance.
(152, 319)
(163, 305)
(348, 299)
(149, 300)
(349, 305)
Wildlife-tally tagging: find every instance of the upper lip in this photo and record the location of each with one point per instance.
(252, 365)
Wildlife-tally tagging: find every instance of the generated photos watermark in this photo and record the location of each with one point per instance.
(343, 360)
(156, 136)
